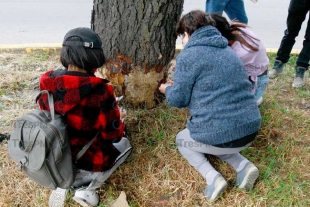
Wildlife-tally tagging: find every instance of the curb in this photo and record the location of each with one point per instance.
(28, 48)
(275, 50)
(55, 48)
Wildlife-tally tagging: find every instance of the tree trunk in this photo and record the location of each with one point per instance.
(139, 41)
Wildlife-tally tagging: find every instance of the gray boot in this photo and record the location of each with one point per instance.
(299, 79)
(277, 69)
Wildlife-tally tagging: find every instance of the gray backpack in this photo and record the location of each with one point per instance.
(39, 144)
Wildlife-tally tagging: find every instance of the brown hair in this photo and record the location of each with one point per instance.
(192, 21)
(233, 32)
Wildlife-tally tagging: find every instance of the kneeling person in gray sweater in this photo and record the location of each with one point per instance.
(211, 81)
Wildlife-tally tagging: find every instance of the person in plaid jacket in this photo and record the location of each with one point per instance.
(90, 110)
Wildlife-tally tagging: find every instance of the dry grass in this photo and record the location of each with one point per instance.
(155, 174)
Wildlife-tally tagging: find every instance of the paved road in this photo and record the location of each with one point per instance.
(41, 21)
(46, 21)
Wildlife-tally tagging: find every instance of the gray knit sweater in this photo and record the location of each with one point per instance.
(211, 81)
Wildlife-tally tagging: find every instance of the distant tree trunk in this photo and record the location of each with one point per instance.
(139, 41)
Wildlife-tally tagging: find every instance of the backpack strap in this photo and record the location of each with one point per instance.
(52, 111)
(84, 149)
(50, 102)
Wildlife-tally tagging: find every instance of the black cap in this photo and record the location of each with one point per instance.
(88, 38)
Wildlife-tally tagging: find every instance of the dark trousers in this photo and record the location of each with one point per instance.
(297, 13)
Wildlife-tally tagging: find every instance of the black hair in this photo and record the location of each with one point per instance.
(82, 57)
(192, 21)
(232, 31)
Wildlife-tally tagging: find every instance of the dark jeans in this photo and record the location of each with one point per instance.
(297, 13)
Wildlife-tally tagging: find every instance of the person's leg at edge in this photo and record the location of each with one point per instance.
(296, 15)
(304, 56)
(215, 6)
(302, 63)
(235, 10)
(87, 195)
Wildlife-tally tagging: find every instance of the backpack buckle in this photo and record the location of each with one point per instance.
(22, 163)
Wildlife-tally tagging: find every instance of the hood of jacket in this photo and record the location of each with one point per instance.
(207, 36)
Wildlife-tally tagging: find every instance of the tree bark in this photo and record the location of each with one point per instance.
(138, 41)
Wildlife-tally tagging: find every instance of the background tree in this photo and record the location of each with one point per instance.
(139, 42)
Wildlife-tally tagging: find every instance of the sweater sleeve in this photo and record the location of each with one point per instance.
(179, 94)
(111, 125)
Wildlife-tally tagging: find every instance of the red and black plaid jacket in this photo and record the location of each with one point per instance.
(89, 107)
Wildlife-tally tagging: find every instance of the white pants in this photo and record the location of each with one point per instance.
(184, 139)
(194, 152)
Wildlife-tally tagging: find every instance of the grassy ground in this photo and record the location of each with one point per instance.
(155, 174)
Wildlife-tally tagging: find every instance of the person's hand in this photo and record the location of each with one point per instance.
(123, 113)
(163, 86)
(170, 82)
